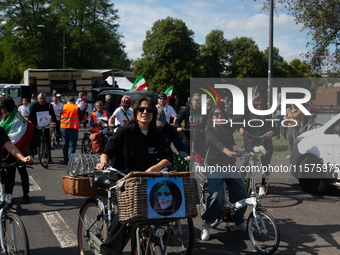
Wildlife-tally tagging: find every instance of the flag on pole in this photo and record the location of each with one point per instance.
(19, 130)
(139, 84)
(168, 93)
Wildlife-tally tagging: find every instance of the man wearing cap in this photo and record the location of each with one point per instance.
(57, 107)
(171, 134)
(81, 102)
(169, 111)
(70, 120)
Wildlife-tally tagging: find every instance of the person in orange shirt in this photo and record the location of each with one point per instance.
(99, 118)
(70, 120)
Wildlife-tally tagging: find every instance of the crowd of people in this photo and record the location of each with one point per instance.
(142, 136)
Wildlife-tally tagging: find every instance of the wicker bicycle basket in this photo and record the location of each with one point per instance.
(81, 186)
(132, 195)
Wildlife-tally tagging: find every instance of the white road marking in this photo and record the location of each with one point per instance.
(60, 229)
(33, 185)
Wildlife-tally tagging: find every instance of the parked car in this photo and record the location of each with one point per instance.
(315, 157)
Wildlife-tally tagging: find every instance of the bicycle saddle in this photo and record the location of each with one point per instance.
(102, 181)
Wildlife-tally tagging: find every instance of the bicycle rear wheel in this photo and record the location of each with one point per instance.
(54, 138)
(178, 238)
(15, 236)
(44, 156)
(89, 221)
(86, 146)
(265, 238)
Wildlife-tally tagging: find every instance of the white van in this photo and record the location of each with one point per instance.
(315, 157)
(15, 91)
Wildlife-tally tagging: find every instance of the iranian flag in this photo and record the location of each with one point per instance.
(19, 130)
(168, 93)
(139, 84)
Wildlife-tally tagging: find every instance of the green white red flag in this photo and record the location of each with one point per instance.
(168, 93)
(139, 84)
(19, 130)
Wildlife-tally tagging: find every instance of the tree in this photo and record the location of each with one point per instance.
(280, 66)
(214, 55)
(169, 56)
(321, 19)
(245, 59)
(299, 69)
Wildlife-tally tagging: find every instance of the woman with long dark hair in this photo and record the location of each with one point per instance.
(137, 146)
(219, 142)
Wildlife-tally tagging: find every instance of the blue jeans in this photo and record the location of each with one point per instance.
(215, 201)
(70, 137)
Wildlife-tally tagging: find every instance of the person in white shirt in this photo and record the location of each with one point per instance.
(81, 102)
(169, 111)
(57, 107)
(123, 114)
(24, 109)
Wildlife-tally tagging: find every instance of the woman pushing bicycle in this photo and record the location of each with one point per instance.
(137, 146)
(260, 127)
(219, 144)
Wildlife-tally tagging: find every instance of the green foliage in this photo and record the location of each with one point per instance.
(169, 56)
(91, 36)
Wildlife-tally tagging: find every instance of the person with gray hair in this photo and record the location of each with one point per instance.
(81, 102)
(109, 104)
(70, 120)
(99, 117)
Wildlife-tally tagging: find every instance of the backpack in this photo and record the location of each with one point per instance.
(97, 141)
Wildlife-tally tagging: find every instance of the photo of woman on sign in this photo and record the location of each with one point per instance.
(165, 198)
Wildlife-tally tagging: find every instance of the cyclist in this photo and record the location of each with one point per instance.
(99, 117)
(137, 146)
(123, 114)
(260, 129)
(81, 102)
(219, 141)
(20, 132)
(169, 111)
(43, 106)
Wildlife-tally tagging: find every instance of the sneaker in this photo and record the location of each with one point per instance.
(288, 156)
(26, 199)
(262, 191)
(205, 231)
(242, 227)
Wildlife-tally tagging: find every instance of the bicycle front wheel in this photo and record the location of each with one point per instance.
(178, 238)
(44, 156)
(15, 236)
(53, 139)
(266, 237)
(91, 220)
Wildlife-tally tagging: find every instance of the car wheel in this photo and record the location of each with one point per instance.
(315, 185)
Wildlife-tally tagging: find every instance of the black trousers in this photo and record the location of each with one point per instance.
(113, 244)
(11, 176)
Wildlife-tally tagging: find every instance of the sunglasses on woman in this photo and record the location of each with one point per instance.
(216, 114)
(142, 109)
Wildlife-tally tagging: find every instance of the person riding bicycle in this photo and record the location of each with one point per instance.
(123, 114)
(259, 128)
(99, 117)
(43, 107)
(82, 103)
(219, 144)
(57, 107)
(137, 146)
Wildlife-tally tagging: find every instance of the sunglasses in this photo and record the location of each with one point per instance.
(166, 194)
(162, 98)
(142, 109)
(126, 105)
(197, 100)
(216, 114)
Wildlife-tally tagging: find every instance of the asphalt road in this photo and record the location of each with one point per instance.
(309, 224)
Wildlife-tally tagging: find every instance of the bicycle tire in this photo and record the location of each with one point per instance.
(178, 238)
(44, 156)
(268, 241)
(86, 146)
(15, 235)
(315, 126)
(88, 215)
(53, 139)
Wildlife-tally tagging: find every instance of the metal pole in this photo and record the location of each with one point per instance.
(270, 56)
(64, 48)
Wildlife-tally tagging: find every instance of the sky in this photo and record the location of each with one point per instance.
(236, 18)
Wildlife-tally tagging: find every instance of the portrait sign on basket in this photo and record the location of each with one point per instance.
(166, 198)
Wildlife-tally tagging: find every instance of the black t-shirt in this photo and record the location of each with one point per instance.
(134, 151)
